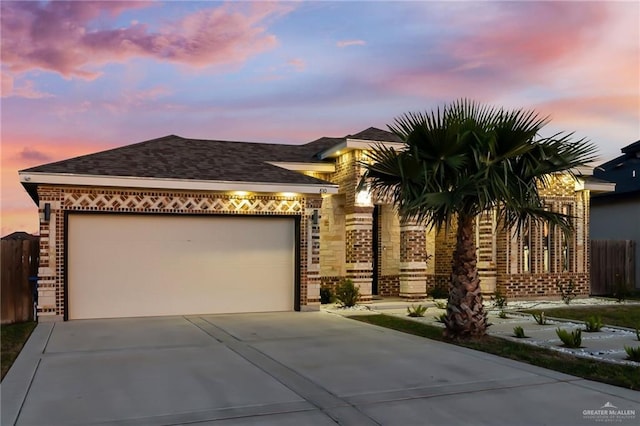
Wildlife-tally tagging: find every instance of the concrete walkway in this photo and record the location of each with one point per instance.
(283, 369)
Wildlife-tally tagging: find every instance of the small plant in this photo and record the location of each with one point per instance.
(568, 292)
(621, 289)
(519, 332)
(347, 293)
(439, 291)
(440, 304)
(441, 318)
(593, 324)
(416, 311)
(326, 295)
(499, 300)
(502, 315)
(540, 318)
(571, 339)
(633, 354)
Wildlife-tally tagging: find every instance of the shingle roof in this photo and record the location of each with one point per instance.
(373, 134)
(175, 157)
(624, 171)
(20, 235)
(634, 147)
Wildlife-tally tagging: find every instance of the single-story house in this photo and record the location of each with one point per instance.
(175, 226)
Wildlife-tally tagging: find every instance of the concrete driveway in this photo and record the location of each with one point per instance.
(282, 369)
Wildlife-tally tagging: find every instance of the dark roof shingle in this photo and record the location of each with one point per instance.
(175, 157)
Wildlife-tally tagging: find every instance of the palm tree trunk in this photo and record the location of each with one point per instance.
(466, 317)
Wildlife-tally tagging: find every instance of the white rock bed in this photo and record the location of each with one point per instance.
(611, 355)
(605, 355)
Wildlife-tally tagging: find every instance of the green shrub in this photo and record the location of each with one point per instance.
(633, 354)
(439, 291)
(621, 289)
(347, 293)
(571, 339)
(416, 311)
(593, 324)
(502, 315)
(326, 295)
(499, 300)
(540, 318)
(519, 332)
(440, 305)
(568, 292)
(441, 318)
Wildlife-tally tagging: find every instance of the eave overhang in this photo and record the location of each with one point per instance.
(353, 144)
(596, 187)
(29, 179)
(305, 167)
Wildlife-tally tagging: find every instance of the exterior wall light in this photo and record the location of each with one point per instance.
(363, 198)
(47, 212)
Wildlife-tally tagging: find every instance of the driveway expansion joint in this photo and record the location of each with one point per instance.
(332, 405)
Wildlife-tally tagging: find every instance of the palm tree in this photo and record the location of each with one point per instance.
(463, 160)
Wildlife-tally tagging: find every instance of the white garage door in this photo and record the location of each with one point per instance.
(129, 266)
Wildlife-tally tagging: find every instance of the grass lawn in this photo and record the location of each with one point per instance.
(619, 375)
(620, 315)
(12, 339)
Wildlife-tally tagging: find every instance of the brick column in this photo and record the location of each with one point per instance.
(358, 253)
(313, 255)
(413, 260)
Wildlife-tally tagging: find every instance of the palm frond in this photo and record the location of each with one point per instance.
(466, 158)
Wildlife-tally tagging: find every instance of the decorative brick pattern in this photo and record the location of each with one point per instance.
(388, 285)
(66, 198)
(359, 250)
(161, 202)
(413, 265)
(313, 252)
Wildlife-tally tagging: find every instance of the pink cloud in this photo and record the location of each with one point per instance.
(526, 43)
(25, 90)
(57, 36)
(594, 109)
(347, 43)
(530, 33)
(138, 100)
(297, 64)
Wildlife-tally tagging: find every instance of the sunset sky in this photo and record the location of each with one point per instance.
(81, 76)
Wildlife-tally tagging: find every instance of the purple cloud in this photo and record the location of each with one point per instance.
(57, 36)
(30, 154)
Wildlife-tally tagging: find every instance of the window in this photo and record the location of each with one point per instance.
(565, 243)
(526, 248)
(546, 244)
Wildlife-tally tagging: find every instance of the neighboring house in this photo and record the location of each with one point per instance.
(20, 235)
(616, 215)
(177, 226)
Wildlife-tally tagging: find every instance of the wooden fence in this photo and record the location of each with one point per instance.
(612, 264)
(19, 262)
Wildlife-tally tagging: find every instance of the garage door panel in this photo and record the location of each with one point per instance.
(123, 265)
